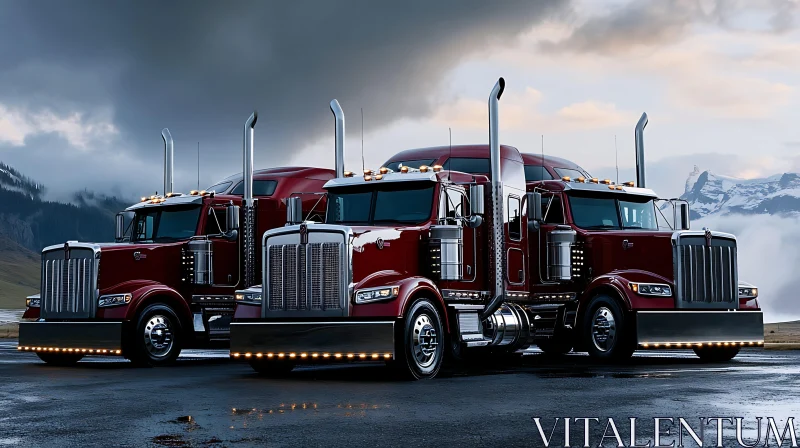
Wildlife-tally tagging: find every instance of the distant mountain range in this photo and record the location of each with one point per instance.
(709, 193)
(32, 222)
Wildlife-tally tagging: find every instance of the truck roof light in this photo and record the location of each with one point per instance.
(437, 168)
(403, 169)
(423, 169)
(367, 177)
(348, 174)
(606, 181)
(619, 187)
(367, 171)
(566, 178)
(610, 187)
(384, 170)
(580, 179)
(629, 183)
(593, 180)
(378, 176)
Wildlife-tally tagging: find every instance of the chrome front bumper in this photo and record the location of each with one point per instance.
(675, 328)
(99, 337)
(307, 339)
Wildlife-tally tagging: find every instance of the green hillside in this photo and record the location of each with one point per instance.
(19, 274)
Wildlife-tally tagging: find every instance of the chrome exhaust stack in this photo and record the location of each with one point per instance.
(639, 136)
(497, 253)
(248, 240)
(169, 157)
(338, 113)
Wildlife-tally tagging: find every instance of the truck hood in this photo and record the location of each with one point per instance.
(381, 249)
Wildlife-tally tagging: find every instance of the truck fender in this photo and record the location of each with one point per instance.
(410, 288)
(157, 292)
(609, 283)
(617, 282)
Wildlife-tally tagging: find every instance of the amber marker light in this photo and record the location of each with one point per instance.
(580, 179)
(363, 356)
(628, 183)
(403, 169)
(338, 355)
(375, 356)
(378, 176)
(437, 168)
(303, 355)
(235, 355)
(384, 170)
(247, 355)
(326, 355)
(593, 180)
(610, 187)
(387, 356)
(423, 169)
(367, 177)
(348, 174)
(566, 178)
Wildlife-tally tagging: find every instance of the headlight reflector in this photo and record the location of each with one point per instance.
(377, 294)
(33, 301)
(114, 300)
(651, 289)
(748, 292)
(248, 297)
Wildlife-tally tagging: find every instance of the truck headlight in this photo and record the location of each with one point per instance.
(377, 294)
(748, 292)
(33, 301)
(248, 297)
(651, 289)
(114, 300)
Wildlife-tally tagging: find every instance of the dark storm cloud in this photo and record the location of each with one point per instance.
(200, 67)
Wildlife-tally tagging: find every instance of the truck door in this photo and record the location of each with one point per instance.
(552, 216)
(452, 209)
(516, 252)
(226, 252)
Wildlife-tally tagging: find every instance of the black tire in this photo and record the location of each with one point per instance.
(607, 330)
(420, 345)
(156, 340)
(270, 368)
(59, 359)
(554, 348)
(716, 354)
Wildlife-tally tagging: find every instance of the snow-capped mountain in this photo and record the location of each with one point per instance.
(13, 180)
(709, 193)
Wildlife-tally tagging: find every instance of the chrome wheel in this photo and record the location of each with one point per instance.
(604, 329)
(424, 341)
(158, 337)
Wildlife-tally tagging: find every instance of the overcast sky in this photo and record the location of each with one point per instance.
(86, 86)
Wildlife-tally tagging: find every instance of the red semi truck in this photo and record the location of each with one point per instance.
(410, 264)
(168, 282)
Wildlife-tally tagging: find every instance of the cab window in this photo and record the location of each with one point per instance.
(451, 206)
(552, 209)
(514, 218)
(535, 173)
(260, 188)
(468, 165)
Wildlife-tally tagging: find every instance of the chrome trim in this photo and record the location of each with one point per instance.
(388, 177)
(639, 136)
(338, 114)
(345, 240)
(169, 158)
(602, 188)
(61, 295)
(249, 229)
(496, 223)
(700, 281)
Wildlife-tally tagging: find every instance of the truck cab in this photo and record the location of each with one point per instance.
(411, 263)
(168, 281)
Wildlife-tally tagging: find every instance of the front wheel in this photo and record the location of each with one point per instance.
(716, 354)
(421, 345)
(59, 359)
(607, 330)
(156, 340)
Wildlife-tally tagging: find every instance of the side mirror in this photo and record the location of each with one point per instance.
(294, 210)
(535, 206)
(119, 233)
(232, 217)
(476, 200)
(683, 213)
(474, 221)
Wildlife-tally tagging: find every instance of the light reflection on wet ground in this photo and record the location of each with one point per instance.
(210, 402)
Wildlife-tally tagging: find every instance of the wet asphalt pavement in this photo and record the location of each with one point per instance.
(207, 401)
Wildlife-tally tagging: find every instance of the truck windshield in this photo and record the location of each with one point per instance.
(163, 224)
(589, 212)
(383, 205)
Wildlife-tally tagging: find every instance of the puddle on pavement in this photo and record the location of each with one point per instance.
(344, 409)
(623, 375)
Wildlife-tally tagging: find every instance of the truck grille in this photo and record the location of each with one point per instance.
(305, 277)
(706, 272)
(69, 284)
